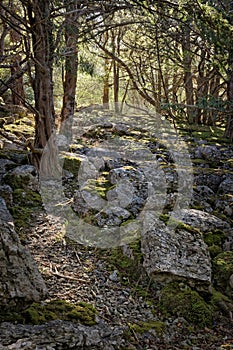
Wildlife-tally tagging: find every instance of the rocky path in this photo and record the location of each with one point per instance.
(126, 296)
(75, 273)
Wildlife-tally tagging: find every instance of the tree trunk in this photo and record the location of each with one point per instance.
(39, 16)
(18, 95)
(106, 82)
(188, 81)
(116, 37)
(214, 92)
(71, 67)
(229, 127)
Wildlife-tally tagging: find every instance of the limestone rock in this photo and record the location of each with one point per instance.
(5, 165)
(60, 335)
(226, 186)
(206, 222)
(112, 216)
(6, 193)
(20, 280)
(175, 252)
(208, 152)
(23, 176)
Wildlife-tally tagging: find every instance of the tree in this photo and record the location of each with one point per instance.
(71, 66)
(39, 15)
(11, 52)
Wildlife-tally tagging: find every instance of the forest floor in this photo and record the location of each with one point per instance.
(76, 273)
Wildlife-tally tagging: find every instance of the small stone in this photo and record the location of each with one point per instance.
(114, 276)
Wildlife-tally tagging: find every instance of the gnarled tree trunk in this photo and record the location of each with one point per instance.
(41, 28)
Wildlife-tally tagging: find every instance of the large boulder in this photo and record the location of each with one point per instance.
(174, 251)
(60, 335)
(20, 281)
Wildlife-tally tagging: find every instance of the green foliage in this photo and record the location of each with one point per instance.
(86, 66)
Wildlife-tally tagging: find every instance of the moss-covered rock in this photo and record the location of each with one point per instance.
(128, 263)
(72, 163)
(142, 327)
(214, 250)
(27, 198)
(215, 237)
(214, 240)
(26, 203)
(60, 309)
(98, 186)
(178, 225)
(180, 300)
(23, 176)
(222, 270)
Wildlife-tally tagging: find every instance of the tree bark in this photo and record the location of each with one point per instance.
(187, 65)
(229, 126)
(116, 38)
(41, 28)
(71, 67)
(18, 95)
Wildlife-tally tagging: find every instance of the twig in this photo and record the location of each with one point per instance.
(58, 274)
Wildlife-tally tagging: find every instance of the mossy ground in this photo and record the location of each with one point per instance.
(130, 268)
(180, 300)
(38, 313)
(222, 270)
(26, 204)
(142, 327)
(212, 134)
(214, 240)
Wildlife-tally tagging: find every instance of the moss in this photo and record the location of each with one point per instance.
(22, 216)
(218, 298)
(215, 237)
(222, 270)
(143, 327)
(178, 225)
(11, 316)
(72, 163)
(197, 207)
(20, 128)
(27, 198)
(99, 186)
(137, 252)
(130, 268)
(180, 300)
(60, 309)
(214, 250)
(17, 181)
(26, 203)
